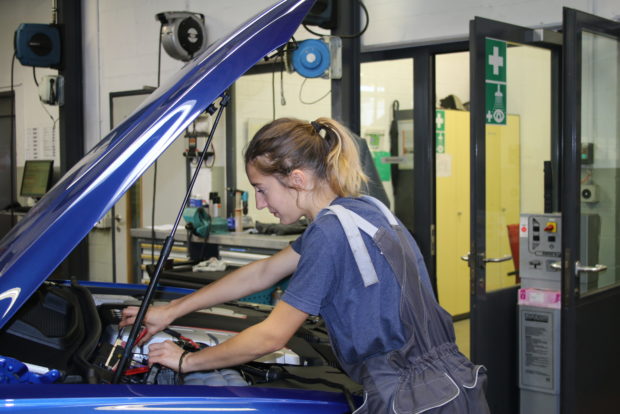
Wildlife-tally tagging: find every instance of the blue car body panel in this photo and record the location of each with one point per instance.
(31, 251)
(168, 399)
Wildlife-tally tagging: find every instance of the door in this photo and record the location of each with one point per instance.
(513, 128)
(8, 182)
(591, 215)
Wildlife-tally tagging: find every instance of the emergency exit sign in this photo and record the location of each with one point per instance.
(495, 81)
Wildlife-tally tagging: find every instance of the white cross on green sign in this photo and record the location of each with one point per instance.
(495, 82)
(440, 132)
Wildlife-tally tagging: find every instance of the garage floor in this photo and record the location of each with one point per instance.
(461, 329)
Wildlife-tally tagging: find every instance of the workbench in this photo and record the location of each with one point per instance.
(236, 249)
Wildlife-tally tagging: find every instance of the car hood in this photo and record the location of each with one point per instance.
(31, 251)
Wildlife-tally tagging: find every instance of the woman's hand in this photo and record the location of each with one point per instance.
(165, 353)
(156, 319)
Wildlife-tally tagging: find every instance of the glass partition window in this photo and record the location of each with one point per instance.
(386, 114)
(600, 166)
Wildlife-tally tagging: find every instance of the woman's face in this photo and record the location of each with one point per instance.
(281, 200)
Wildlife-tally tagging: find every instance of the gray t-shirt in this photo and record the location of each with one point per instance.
(362, 321)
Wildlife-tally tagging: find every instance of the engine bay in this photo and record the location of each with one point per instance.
(68, 333)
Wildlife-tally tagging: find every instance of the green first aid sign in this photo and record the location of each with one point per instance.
(440, 132)
(495, 81)
(495, 62)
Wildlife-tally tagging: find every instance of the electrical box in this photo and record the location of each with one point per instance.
(52, 90)
(589, 193)
(540, 249)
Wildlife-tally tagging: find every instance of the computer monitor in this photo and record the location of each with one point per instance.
(37, 178)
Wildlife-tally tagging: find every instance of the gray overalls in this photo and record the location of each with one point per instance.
(428, 374)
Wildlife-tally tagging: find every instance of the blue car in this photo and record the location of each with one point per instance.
(60, 345)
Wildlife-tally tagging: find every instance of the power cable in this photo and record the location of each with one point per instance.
(282, 98)
(34, 75)
(279, 55)
(301, 99)
(273, 95)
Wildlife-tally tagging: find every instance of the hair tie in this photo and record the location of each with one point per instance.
(317, 127)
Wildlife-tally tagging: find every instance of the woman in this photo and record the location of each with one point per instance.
(354, 265)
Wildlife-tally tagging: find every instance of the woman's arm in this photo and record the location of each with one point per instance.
(242, 282)
(261, 339)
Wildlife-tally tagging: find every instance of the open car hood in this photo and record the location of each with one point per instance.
(33, 249)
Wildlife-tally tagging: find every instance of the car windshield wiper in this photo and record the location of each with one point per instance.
(167, 247)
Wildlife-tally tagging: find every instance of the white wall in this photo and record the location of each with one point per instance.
(120, 53)
(396, 23)
(121, 44)
(254, 107)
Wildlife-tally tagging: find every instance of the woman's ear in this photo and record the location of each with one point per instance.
(298, 179)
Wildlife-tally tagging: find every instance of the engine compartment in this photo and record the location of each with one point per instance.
(73, 330)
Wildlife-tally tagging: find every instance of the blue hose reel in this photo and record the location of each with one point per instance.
(37, 45)
(311, 58)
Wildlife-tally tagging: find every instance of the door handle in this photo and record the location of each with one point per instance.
(497, 259)
(465, 258)
(581, 268)
(589, 269)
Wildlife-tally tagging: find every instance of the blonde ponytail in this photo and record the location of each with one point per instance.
(344, 171)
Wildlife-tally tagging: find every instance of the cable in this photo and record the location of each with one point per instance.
(34, 75)
(212, 157)
(273, 95)
(161, 29)
(273, 88)
(312, 102)
(353, 36)
(282, 98)
(54, 121)
(280, 53)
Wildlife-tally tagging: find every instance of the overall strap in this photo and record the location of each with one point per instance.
(352, 223)
(386, 211)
